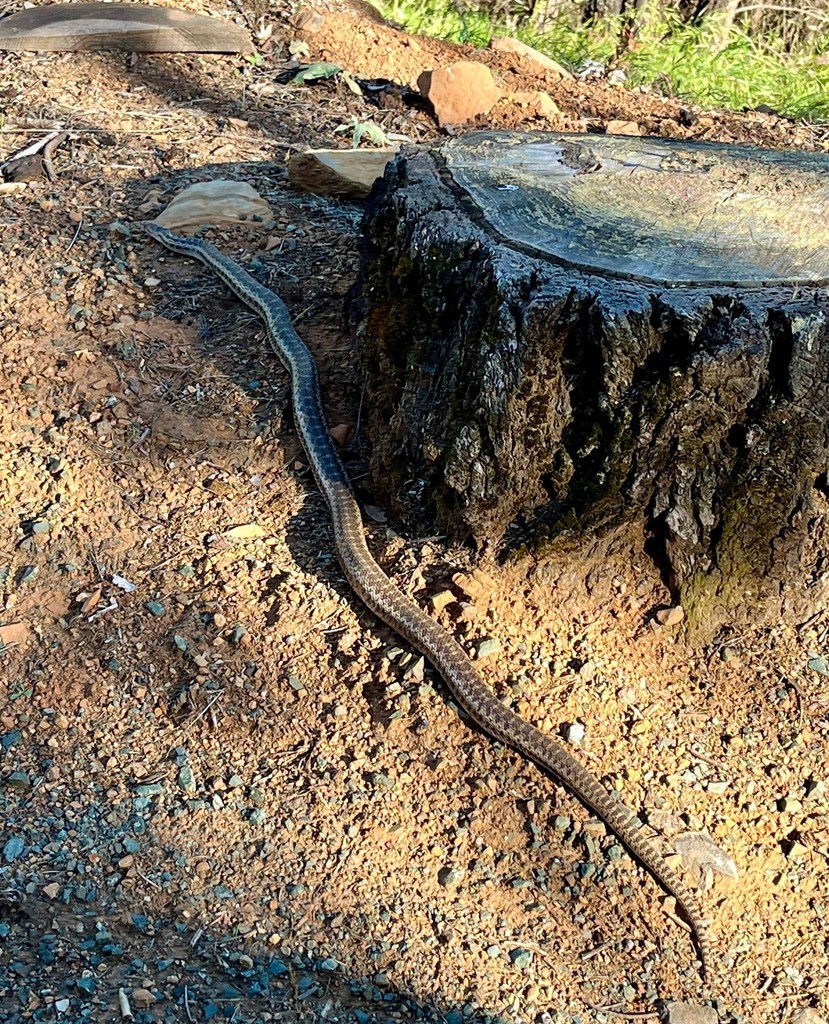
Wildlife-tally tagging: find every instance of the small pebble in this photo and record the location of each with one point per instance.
(448, 877)
(486, 648)
(670, 616)
(522, 958)
(186, 779)
(142, 998)
(575, 733)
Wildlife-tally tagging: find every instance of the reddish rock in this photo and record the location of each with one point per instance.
(506, 44)
(536, 102)
(460, 92)
(619, 127)
(670, 616)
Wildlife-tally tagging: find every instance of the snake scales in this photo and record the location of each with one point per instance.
(378, 592)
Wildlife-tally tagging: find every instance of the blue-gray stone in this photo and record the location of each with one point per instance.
(186, 779)
(521, 957)
(8, 740)
(149, 789)
(13, 849)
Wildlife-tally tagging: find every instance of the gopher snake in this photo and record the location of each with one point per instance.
(378, 592)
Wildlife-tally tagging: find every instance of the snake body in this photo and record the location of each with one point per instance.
(378, 592)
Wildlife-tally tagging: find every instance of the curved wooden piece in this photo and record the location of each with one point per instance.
(131, 27)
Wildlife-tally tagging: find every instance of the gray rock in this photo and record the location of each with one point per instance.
(691, 1013)
(486, 648)
(186, 779)
(807, 1016)
(522, 958)
(448, 877)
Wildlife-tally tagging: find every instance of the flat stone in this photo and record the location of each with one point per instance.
(142, 997)
(717, 788)
(13, 849)
(442, 600)
(618, 127)
(449, 877)
(535, 101)
(14, 634)
(349, 173)
(699, 851)
(691, 1013)
(506, 44)
(216, 203)
(575, 733)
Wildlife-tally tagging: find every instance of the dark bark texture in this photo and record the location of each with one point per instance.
(519, 398)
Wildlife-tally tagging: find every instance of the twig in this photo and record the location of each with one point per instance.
(124, 1003)
(627, 1014)
(149, 881)
(48, 152)
(677, 920)
(187, 1003)
(590, 953)
(203, 712)
(75, 236)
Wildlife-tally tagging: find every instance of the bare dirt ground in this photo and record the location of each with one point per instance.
(231, 792)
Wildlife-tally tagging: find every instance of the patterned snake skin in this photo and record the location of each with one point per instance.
(378, 592)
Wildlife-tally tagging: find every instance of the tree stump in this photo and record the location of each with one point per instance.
(567, 336)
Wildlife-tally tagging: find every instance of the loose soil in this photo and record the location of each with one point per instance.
(231, 792)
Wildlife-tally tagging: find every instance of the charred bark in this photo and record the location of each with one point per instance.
(524, 398)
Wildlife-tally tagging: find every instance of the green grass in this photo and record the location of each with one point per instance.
(691, 62)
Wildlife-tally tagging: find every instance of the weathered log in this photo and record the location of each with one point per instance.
(135, 28)
(566, 335)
